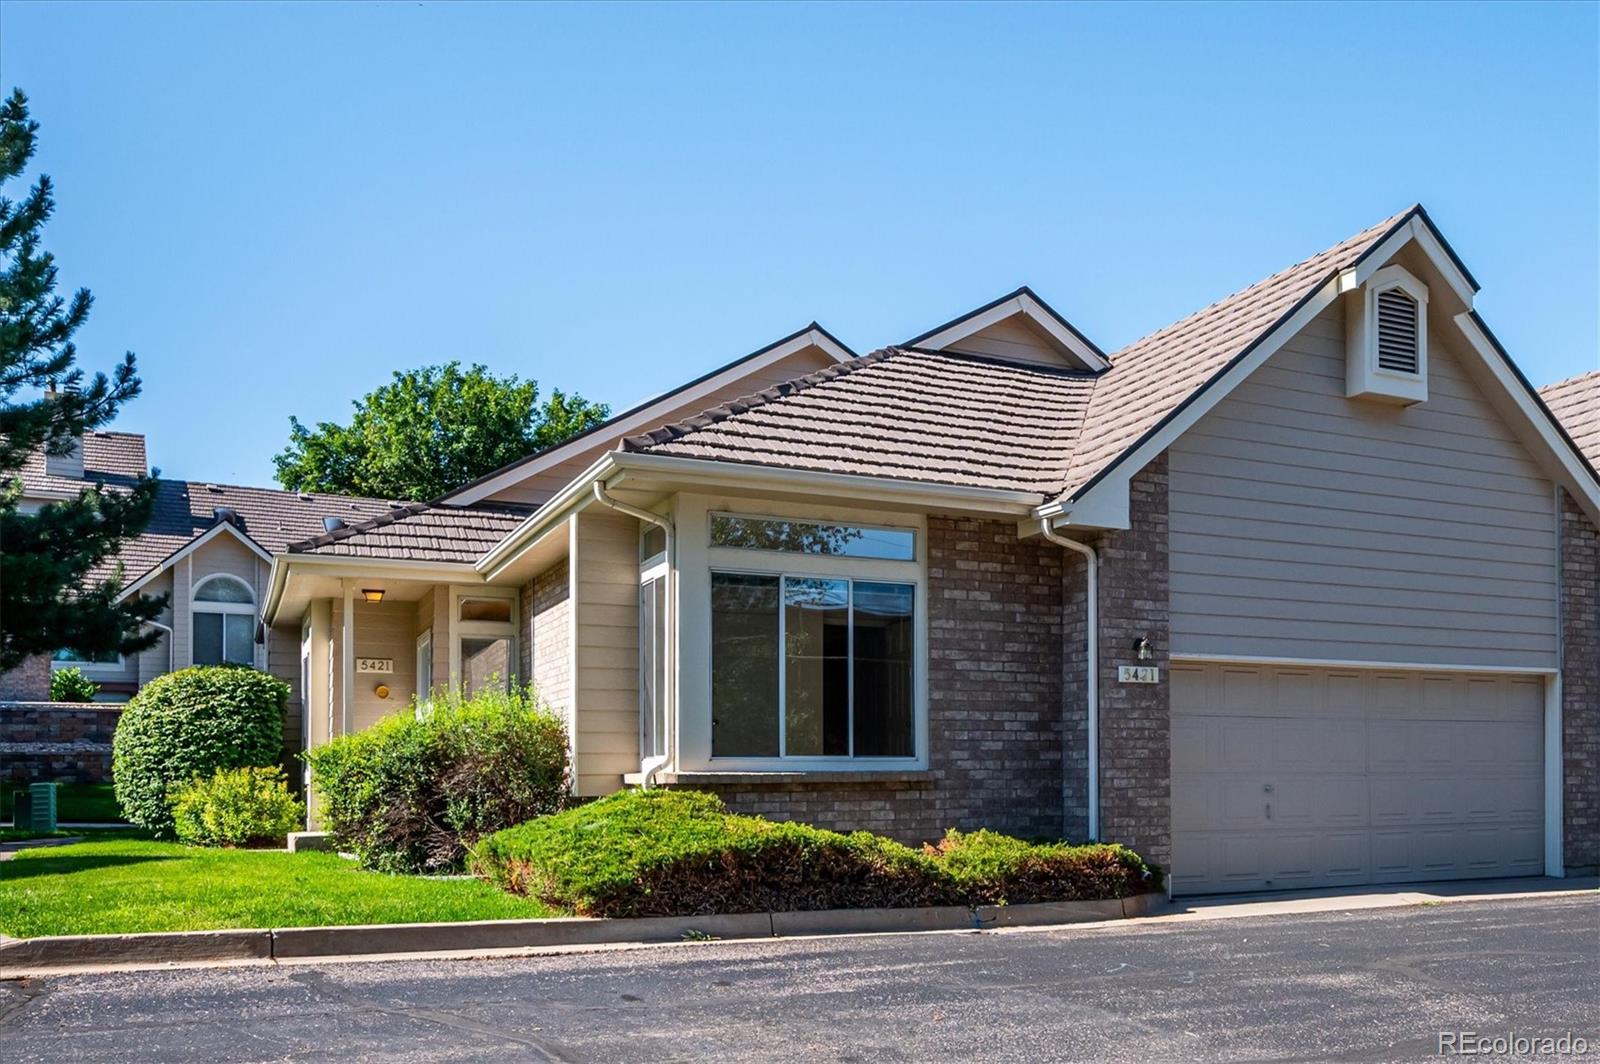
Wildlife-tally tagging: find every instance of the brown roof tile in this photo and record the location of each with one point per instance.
(115, 458)
(1576, 404)
(420, 532)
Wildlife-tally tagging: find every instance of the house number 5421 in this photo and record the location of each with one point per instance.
(1138, 674)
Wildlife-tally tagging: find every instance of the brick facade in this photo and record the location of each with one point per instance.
(995, 607)
(59, 742)
(28, 682)
(547, 635)
(1580, 686)
(1136, 719)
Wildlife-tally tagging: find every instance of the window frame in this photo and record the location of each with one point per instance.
(915, 532)
(695, 751)
(197, 606)
(460, 630)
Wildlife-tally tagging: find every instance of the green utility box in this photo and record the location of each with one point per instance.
(35, 808)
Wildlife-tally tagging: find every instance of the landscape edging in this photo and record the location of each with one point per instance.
(29, 955)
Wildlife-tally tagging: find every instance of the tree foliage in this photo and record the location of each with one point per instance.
(47, 599)
(429, 431)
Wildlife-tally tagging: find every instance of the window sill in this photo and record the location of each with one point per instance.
(866, 776)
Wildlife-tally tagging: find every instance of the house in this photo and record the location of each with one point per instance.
(1301, 590)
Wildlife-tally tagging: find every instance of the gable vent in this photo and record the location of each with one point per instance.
(1398, 350)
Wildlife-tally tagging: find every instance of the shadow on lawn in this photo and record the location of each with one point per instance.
(69, 863)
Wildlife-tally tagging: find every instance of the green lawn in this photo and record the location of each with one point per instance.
(118, 886)
(88, 802)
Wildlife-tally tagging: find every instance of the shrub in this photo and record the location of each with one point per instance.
(416, 790)
(681, 853)
(71, 685)
(677, 853)
(235, 807)
(190, 723)
(993, 869)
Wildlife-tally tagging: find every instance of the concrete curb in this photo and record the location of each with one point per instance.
(59, 954)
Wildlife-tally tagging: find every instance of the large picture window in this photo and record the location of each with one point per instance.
(811, 667)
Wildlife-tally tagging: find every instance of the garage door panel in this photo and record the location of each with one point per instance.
(1293, 777)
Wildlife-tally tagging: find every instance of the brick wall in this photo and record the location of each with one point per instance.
(995, 607)
(61, 742)
(1580, 685)
(28, 682)
(547, 635)
(1136, 719)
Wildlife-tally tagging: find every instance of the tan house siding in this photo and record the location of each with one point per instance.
(154, 661)
(283, 661)
(383, 630)
(539, 487)
(1015, 339)
(1308, 525)
(605, 601)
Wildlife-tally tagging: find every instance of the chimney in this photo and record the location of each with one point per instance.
(69, 465)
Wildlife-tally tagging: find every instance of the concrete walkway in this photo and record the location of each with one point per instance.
(1348, 899)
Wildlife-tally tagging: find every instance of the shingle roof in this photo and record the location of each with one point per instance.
(958, 419)
(420, 532)
(1576, 404)
(902, 413)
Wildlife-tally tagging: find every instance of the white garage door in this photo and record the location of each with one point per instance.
(1287, 777)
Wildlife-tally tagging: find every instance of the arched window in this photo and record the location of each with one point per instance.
(224, 621)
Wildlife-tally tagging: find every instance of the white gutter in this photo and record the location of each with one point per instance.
(1091, 641)
(648, 769)
(170, 638)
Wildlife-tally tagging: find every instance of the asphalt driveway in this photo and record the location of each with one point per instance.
(1360, 985)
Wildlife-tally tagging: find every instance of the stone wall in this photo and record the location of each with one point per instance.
(59, 742)
(1580, 686)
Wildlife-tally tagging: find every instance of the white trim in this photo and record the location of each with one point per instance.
(1342, 663)
(575, 495)
(347, 659)
(1365, 376)
(1028, 306)
(1417, 229)
(1576, 478)
(649, 416)
(189, 548)
(358, 568)
(1068, 513)
(1554, 773)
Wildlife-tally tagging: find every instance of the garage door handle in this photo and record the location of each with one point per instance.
(1269, 810)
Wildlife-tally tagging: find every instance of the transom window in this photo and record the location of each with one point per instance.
(486, 643)
(806, 666)
(224, 613)
(809, 537)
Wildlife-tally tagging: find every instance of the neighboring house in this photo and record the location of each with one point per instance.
(1300, 590)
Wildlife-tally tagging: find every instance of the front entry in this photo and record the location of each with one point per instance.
(1286, 777)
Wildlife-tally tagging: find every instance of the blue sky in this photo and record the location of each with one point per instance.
(276, 206)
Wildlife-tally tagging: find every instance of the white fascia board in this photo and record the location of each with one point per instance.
(188, 549)
(345, 566)
(1029, 307)
(1105, 503)
(651, 415)
(1573, 472)
(1418, 230)
(713, 473)
(575, 495)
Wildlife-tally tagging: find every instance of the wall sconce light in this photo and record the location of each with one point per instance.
(382, 690)
(372, 594)
(1141, 648)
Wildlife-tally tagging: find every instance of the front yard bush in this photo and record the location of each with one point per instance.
(678, 853)
(190, 723)
(71, 685)
(416, 790)
(235, 807)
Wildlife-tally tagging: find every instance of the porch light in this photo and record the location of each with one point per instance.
(1141, 648)
(372, 594)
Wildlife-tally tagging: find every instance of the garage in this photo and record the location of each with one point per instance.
(1288, 777)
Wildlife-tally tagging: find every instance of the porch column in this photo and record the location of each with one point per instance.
(347, 659)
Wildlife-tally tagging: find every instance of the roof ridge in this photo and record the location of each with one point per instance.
(678, 429)
(396, 513)
(998, 360)
(1574, 379)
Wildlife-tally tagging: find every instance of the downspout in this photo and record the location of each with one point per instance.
(1091, 666)
(648, 769)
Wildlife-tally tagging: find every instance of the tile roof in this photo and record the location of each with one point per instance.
(963, 420)
(271, 518)
(420, 532)
(116, 458)
(904, 413)
(1576, 404)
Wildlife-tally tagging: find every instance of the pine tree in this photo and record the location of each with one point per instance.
(47, 600)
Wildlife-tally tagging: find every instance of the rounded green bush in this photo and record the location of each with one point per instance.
(190, 723)
(235, 807)
(413, 792)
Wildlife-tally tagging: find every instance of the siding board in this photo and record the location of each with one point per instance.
(1308, 525)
